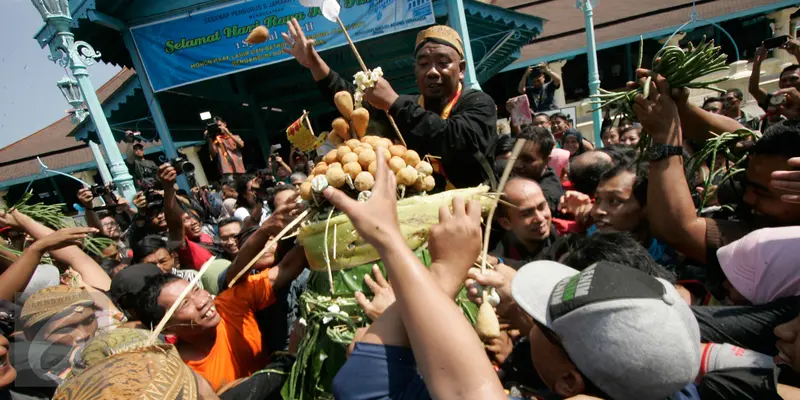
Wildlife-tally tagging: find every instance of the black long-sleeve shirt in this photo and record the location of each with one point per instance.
(462, 140)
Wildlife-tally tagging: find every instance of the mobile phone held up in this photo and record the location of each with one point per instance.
(774, 43)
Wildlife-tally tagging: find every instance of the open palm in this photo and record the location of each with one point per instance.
(300, 47)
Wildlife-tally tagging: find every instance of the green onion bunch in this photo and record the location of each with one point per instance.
(714, 148)
(52, 216)
(682, 68)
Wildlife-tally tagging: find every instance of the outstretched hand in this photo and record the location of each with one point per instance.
(788, 181)
(300, 47)
(167, 175)
(382, 291)
(455, 242)
(376, 219)
(657, 112)
(62, 238)
(790, 108)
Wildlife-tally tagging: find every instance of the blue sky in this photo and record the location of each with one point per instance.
(29, 98)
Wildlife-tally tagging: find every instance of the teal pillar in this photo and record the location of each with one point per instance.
(77, 55)
(587, 6)
(105, 174)
(458, 21)
(152, 103)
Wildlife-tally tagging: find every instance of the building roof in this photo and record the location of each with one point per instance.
(56, 149)
(616, 21)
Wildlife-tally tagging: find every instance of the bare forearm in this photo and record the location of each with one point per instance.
(17, 276)
(92, 221)
(555, 77)
(697, 123)
(522, 82)
(91, 272)
(174, 215)
(754, 87)
(249, 250)
(288, 269)
(454, 365)
(255, 215)
(319, 68)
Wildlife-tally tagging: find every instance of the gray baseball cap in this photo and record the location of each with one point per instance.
(629, 333)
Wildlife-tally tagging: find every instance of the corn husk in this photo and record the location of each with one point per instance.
(416, 216)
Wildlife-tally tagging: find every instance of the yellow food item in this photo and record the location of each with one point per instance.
(396, 164)
(352, 143)
(419, 184)
(367, 157)
(331, 157)
(424, 168)
(367, 146)
(407, 176)
(349, 157)
(373, 168)
(360, 118)
(487, 326)
(341, 128)
(411, 157)
(335, 165)
(398, 151)
(258, 35)
(336, 177)
(305, 190)
(371, 139)
(364, 181)
(320, 169)
(344, 103)
(385, 143)
(352, 169)
(430, 183)
(386, 153)
(341, 151)
(358, 150)
(335, 139)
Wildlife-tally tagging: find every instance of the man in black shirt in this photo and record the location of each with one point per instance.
(532, 163)
(145, 172)
(541, 94)
(447, 120)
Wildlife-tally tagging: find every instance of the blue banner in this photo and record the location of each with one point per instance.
(211, 43)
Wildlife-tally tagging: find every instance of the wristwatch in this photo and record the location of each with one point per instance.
(658, 152)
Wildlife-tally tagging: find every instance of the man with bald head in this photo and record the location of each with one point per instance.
(528, 225)
(586, 169)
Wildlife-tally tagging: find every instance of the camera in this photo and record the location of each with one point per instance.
(182, 165)
(98, 190)
(211, 123)
(152, 196)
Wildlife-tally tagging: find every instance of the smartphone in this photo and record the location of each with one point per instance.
(774, 43)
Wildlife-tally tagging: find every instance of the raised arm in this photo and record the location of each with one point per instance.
(554, 76)
(696, 123)
(523, 82)
(453, 365)
(256, 242)
(302, 49)
(671, 212)
(18, 275)
(92, 274)
(173, 213)
(85, 197)
(759, 94)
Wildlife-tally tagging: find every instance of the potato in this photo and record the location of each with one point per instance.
(360, 119)
(367, 146)
(386, 153)
(344, 103)
(396, 164)
(305, 190)
(331, 157)
(335, 165)
(424, 168)
(349, 157)
(352, 169)
(258, 35)
(335, 139)
(411, 157)
(430, 183)
(364, 181)
(358, 150)
(336, 177)
(419, 185)
(385, 143)
(371, 139)
(341, 128)
(352, 143)
(366, 158)
(341, 151)
(398, 151)
(407, 176)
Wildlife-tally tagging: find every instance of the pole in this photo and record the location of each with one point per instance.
(587, 7)
(458, 21)
(152, 103)
(105, 174)
(77, 56)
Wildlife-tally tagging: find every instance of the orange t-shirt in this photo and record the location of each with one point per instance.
(237, 352)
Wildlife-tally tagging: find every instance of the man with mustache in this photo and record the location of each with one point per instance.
(446, 119)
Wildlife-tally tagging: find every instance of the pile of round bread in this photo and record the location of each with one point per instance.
(352, 166)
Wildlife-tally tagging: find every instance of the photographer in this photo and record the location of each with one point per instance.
(251, 206)
(190, 254)
(541, 94)
(226, 147)
(144, 170)
(106, 221)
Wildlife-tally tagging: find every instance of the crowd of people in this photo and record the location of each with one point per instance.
(612, 279)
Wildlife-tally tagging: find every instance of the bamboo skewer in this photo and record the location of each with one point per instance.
(364, 68)
(325, 245)
(269, 244)
(177, 303)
